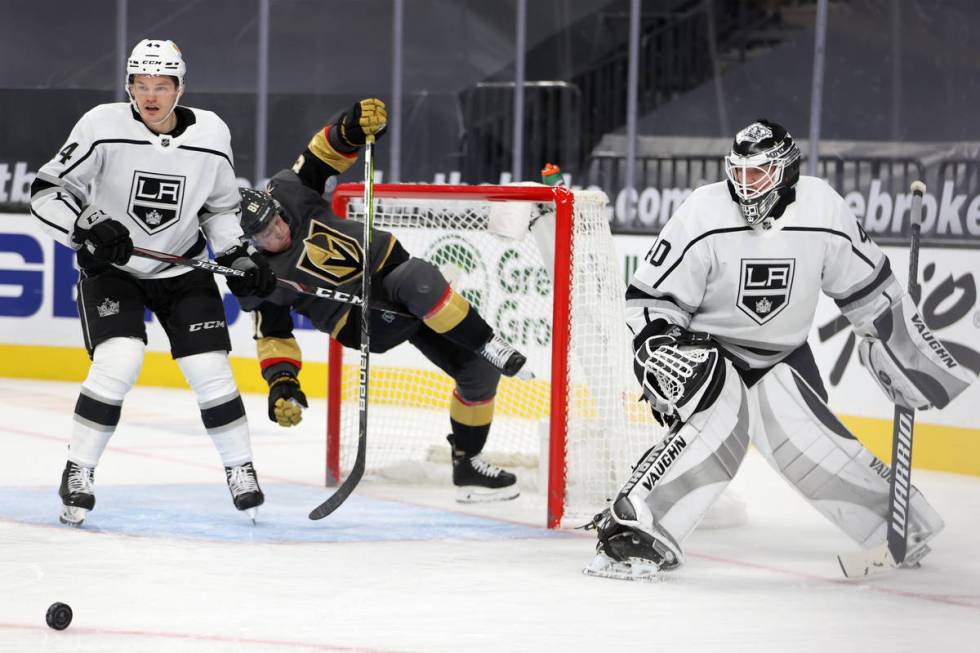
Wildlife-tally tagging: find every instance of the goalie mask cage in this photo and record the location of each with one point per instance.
(556, 293)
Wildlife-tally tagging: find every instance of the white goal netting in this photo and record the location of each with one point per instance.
(511, 283)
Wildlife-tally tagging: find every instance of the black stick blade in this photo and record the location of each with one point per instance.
(337, 499)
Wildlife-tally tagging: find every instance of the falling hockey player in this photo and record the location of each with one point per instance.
(294, 227)
(719, 311)
(159, 174)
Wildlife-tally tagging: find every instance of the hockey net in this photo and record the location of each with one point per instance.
(556, 293)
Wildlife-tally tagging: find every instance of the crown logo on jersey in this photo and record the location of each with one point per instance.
(108, 308)
(754, 133)
(763, 306)
(153, 218)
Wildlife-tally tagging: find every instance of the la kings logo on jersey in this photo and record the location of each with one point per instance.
(155, 200)
(764, 287)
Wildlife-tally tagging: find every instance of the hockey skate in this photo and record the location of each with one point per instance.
(243, 483)
(77, 494)
(627, 553)
(505, 358)
(478, 481)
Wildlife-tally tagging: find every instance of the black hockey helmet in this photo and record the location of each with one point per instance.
(762, 168)
(258, 209)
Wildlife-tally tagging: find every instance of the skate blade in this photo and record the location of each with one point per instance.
(252, 514)
(476, 494)
(72, 516)
(524, 374)
(602, 566)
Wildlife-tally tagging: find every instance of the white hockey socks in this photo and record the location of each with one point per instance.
(115, 365)
(222, 411)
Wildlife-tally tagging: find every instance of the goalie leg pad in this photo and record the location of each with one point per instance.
(810, 448)
(676, 482)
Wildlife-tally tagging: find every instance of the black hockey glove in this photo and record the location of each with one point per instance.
(364, 118)
(104, 238)
(286, 400)
(259, 279)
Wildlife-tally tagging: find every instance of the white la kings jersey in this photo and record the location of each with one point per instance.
(163, 188)
(756, 290)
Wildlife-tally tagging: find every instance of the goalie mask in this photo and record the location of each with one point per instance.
(762, 168)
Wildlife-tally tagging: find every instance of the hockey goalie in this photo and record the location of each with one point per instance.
(719, 311)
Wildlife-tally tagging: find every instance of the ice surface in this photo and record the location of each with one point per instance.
(165, 563)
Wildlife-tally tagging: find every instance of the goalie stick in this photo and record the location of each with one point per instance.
(889, 556)
(340, 495)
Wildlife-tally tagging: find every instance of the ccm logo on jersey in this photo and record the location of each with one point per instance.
(210, 324)
(155, 200)
(764, 287)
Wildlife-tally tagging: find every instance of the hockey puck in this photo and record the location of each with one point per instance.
(59, 616)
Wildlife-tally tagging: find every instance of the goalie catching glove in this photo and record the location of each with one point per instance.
(678, 370)
(286, 400)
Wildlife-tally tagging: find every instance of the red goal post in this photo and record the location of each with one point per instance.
(594, 429)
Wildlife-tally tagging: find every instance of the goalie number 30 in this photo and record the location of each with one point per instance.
(658, 252)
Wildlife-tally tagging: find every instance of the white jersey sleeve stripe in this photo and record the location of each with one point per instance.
(49, 223)
(691, 244)
(875, 283)
(207, 151)
(92, 147)
(72, 206)
(863, 286)
(639, 291)
(841, 234)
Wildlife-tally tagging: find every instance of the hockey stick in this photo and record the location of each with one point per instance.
(891, 555)
(340, 495)
(319, 291)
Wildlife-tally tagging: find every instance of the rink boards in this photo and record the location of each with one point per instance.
(40, 338)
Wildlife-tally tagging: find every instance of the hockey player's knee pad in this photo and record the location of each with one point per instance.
(417, 284)
(209, 375)
(116, 363)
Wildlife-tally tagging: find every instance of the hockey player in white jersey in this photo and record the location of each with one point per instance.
(159, 175)
(720, 310)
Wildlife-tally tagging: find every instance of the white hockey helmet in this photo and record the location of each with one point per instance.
(153, 57)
